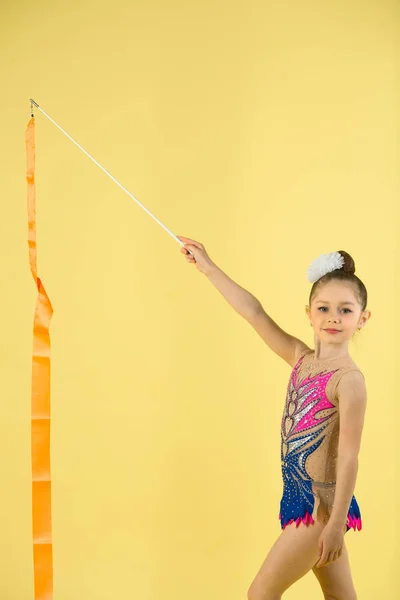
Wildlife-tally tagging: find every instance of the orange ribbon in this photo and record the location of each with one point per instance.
(40, 408)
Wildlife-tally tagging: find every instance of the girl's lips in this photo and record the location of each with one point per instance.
(332, 330)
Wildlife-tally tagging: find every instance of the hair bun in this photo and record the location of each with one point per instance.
(349, 264)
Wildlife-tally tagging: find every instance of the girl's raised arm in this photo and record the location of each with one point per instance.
(244, 303)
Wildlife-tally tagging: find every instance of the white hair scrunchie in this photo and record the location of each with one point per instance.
(325, 263)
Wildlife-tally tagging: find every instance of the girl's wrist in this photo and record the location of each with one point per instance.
(336, 523)
(210, 270)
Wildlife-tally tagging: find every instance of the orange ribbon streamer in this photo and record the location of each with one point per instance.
(40, 408)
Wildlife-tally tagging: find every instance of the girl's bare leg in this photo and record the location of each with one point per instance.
(293, 555)
(335, 579)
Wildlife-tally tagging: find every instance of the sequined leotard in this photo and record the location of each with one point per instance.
(309, 441)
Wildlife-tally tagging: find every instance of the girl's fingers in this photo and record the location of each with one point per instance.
(189, 241)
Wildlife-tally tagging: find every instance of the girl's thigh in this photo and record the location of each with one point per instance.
(294, 553)
(335, 579)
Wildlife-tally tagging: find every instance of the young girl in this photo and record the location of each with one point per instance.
(321, 425)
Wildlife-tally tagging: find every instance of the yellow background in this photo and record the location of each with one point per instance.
(267, 131)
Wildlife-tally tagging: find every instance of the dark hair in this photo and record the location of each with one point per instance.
(347, 274)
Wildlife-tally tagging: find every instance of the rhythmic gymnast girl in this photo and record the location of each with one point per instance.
(321, 426)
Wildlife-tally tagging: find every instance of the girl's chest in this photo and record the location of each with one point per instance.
(307, 403)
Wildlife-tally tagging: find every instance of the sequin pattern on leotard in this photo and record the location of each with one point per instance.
(309, 442)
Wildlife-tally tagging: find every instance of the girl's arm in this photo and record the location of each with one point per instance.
(244, 303)
(279, 341)
(352, 395)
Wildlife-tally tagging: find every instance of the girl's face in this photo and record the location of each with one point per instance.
(335, 307)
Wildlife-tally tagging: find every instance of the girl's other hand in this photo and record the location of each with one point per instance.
(199, 256)
(330, 545)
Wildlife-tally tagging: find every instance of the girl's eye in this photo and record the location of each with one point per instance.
(343, 309)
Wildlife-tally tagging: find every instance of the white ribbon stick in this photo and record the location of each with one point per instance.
(109, 174)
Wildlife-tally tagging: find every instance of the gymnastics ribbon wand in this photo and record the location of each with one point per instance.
(40, 389)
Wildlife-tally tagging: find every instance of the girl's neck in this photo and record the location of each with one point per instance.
(330, 351)
(320, 359)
